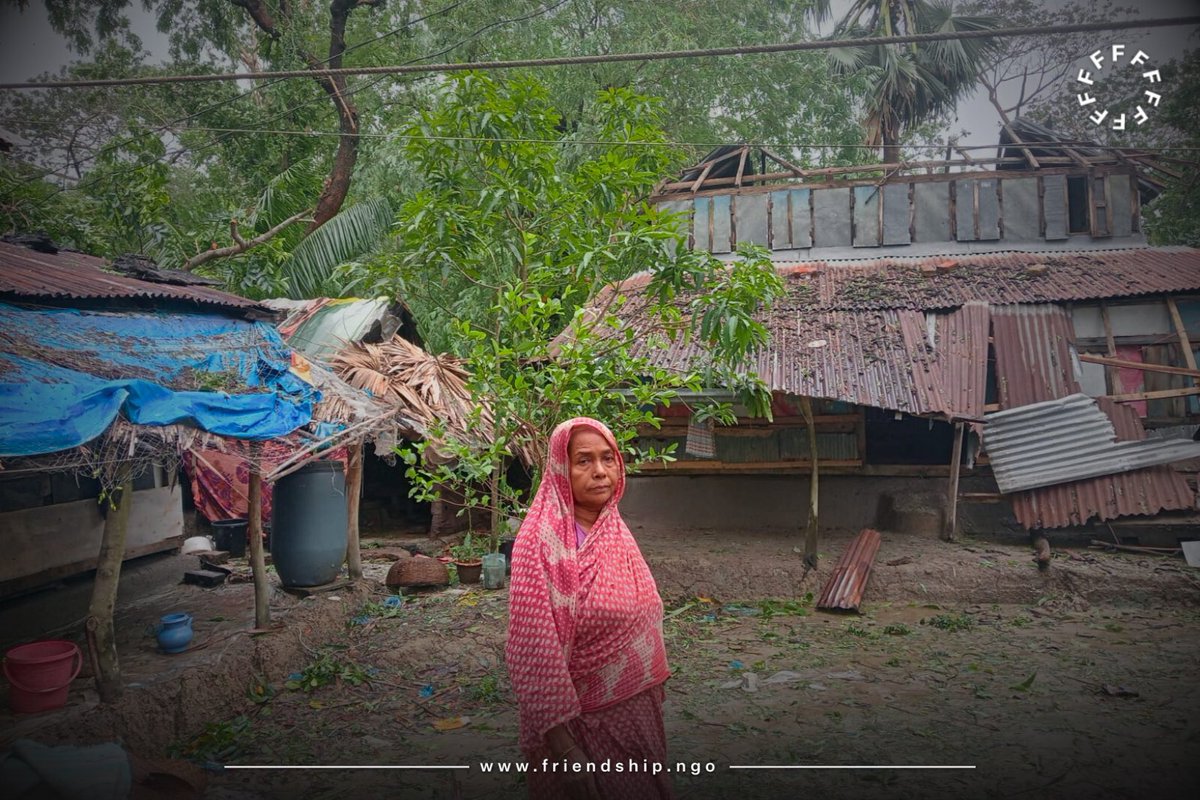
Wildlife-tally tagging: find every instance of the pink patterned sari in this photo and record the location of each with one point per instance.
(585, 645)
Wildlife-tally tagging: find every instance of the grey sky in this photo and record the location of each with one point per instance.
(28, 47)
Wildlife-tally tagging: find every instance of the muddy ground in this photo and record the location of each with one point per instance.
(1077, 683)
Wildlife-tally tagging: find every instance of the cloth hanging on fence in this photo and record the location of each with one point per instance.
(701, 439)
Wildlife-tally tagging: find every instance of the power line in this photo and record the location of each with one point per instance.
(716, 52)
(667, 143)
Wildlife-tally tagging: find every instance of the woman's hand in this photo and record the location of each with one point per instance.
(579, 785)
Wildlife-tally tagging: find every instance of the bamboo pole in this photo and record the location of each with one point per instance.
(262, 587)
(950, 528)
(810, 533)
(354, 476)
(101, 634)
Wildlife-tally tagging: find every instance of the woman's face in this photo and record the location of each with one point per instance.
(595, 469)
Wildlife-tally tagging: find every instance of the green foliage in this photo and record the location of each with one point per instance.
(472, 548)
(220, 742)
(325, 669)
(950, 622)
(487, 690)
(503, 254)
(897, 629)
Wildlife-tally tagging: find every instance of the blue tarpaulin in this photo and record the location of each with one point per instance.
(65, 374)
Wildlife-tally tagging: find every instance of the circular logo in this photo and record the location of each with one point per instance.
(1112, 59)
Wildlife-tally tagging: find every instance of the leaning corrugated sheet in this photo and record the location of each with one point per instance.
(29, 275)
(961, 339)
(1059, 441)
(845, 587)
(1033, 364)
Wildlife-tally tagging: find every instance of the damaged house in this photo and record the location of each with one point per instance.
(982, 341)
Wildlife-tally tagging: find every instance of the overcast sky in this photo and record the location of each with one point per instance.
(29, 47)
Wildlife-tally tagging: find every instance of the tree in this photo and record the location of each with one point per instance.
(506, 251)
(911, 83)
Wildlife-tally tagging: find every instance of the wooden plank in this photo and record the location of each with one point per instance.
(1099, 212)
(1159, 395)
(950, 527)
(1110, 342)
(1189, 357)
(811, 528)
(16, 586)
(1142, 365)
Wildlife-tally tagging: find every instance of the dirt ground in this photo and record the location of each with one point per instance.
(1077, 683)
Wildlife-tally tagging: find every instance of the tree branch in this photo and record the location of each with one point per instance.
(242, 245)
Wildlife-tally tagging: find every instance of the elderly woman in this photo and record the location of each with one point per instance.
(585, 647)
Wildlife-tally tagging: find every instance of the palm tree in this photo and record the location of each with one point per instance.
(913, 83)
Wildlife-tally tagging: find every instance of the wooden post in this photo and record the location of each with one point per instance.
(354, 475)
(101, 635)
(1111, 374)
(1185, 344)
(262, 587)
(810, 533)
(951, 522)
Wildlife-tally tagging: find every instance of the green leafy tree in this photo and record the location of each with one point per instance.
(507, 255)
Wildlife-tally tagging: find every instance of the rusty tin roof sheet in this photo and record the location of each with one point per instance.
(845, 587)
(30, 275)
(1033, 364)
(1065, 440)
(952, 280)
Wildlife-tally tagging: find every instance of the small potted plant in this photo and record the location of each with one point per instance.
(468, 557)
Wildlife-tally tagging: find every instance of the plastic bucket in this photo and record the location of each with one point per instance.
(230, 536)
(40, 674)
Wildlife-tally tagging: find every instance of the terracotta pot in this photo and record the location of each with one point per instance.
(469, 571)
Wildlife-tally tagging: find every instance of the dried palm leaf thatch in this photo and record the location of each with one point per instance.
(430, 388)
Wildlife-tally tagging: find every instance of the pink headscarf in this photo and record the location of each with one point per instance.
(585, 623)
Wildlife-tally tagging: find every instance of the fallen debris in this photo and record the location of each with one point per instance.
(844, 590)
(1129, 548)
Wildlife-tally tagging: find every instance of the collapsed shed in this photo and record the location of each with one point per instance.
(116, 378)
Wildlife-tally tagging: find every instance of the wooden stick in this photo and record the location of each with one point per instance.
(1110, 342)
(1117, 362)
(950, 528)
(354, 475)
(1189, 357)
(262, 587)
(810, 533)
(104, 596)
(1159, 395)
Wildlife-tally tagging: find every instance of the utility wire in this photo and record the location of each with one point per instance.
(716, 52)
(666, 143)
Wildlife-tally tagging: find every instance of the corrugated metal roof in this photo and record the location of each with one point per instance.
(1064, 440)
(873, 358)
(952, 280)
(844, 589)
(961, 341)
(30, 275)
(1033, 364)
